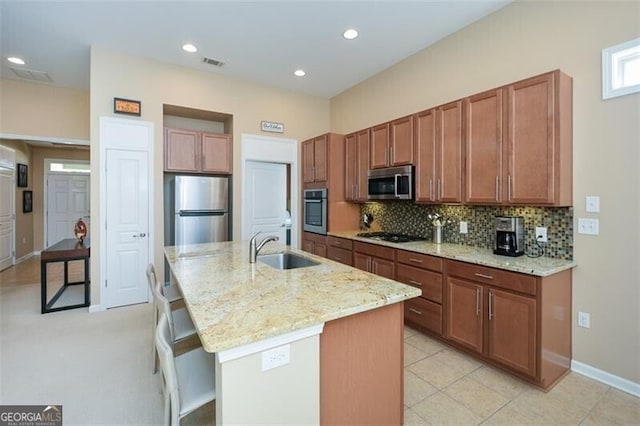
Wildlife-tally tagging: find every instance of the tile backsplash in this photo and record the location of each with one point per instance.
(409, 218)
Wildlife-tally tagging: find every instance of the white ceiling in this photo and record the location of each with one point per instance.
(262, 41)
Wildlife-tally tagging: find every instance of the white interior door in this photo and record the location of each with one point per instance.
(67, 201)
(7, 195)
(127, 226)
(266, 199)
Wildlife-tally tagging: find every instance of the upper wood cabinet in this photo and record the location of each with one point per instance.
(356, 165)
(216, 153)
(539, 140)
(197, 152)
(392, 143)
(439, 154)
(314, 159)
(484, 147)
(518, 143)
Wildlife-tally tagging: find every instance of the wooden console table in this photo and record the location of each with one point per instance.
(64, 251)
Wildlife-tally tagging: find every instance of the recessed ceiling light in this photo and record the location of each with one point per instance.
(350, 34)
(188, 47)
(299, 73)
(15, 60)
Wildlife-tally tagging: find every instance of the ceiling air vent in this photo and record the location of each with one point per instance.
(213, 62)
(40, 76)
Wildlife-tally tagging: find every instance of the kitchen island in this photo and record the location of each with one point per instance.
(333, 332)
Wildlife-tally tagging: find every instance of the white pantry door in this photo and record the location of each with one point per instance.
(266, 199)
(127, 227)
(67, 201)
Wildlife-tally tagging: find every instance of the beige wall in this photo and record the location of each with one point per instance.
(155, 84)
(39, 155)
(24, 221)
(29, 109)
(519, 41)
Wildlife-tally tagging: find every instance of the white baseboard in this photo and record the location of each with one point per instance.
(606, 378)
(25, 257)
(96, 308)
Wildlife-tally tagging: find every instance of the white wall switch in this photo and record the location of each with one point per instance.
(464, 229)
(593, 204)
(541, 234)
(588, 226)
(276, 357)
(584, 319)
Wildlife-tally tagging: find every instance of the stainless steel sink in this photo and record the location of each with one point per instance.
(286, 261)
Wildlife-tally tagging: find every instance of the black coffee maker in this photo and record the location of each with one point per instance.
(509, 236)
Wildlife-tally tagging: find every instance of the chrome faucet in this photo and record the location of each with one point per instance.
(254, 248)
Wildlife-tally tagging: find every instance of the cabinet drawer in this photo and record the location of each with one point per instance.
(374, 250)
(424, 313)
(339, 242)
(340, 255)
(494, 277)
(429, 282)
(420, 260)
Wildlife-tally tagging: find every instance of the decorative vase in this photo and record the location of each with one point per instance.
(80, 230)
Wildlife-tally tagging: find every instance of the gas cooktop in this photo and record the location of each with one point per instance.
(390, 236)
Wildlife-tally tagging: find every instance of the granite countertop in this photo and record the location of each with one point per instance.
(540, 266)
(234, 303)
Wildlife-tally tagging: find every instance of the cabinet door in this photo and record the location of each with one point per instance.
(320, 145)
(320, 249)
(307, 161)
(362, 190)
(383, 267)
(530, 141)
(425, 146)
(484, 147)
(216, 153)
(464, 313)
(181, 150)
(362, 261)
(350, 166)
(401, 145)
(379, 146)
(450, 153)
(308, 245)
(512, 330)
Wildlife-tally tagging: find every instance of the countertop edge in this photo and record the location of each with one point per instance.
(431, 249)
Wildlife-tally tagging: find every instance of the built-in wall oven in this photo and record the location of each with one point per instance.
(315, 211)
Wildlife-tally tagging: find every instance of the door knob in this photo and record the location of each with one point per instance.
(141, 235)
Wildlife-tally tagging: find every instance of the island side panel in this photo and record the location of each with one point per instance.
(361, 368)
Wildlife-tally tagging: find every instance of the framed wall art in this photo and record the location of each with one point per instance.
(22, 175)
(27, 201)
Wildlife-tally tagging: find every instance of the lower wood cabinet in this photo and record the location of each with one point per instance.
(425, 273)
(511, 320)
(314, 243)
(376, 259)
(339, 249)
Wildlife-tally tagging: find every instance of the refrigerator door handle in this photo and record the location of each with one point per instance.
(202, 212)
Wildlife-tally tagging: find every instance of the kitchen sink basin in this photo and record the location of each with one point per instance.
(286, 261)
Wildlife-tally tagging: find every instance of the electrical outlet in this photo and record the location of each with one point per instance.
(276, 357)
(464, 229)
(541, 234)
(584, 319)
(588, 226)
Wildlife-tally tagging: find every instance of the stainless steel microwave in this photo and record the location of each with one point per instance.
(393, 183)
(315, 211)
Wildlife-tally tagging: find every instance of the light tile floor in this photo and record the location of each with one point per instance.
(444, 386)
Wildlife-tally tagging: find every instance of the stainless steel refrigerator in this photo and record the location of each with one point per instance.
(201, 209)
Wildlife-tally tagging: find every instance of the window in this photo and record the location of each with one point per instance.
(69, 167)
(621, 69)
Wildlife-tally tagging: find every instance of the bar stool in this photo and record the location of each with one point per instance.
(180, 325)
(189, 379)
